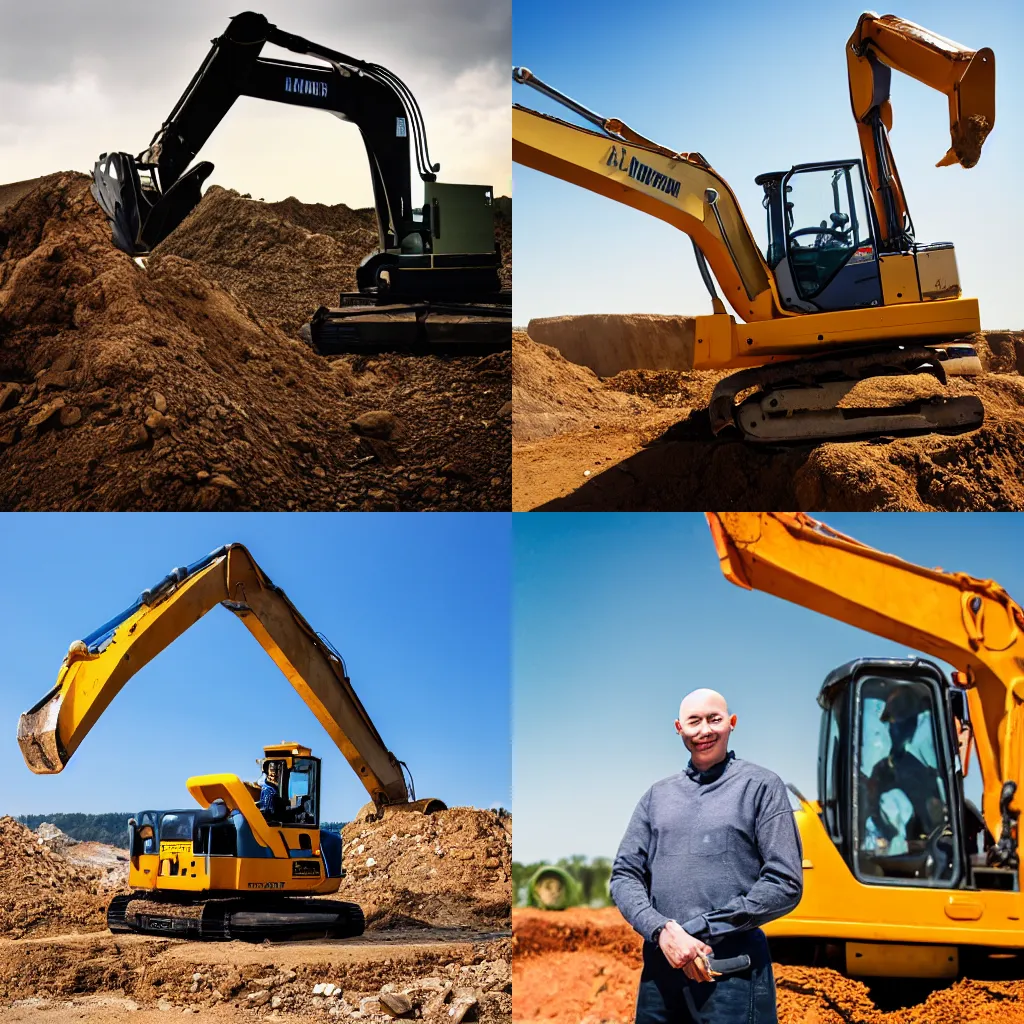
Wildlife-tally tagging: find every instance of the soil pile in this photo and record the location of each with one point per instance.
(584, 966)
(448, 869)
(41, 891)
(123, 388)
(284, 259)
(665, 458)
(608, 343)
(551, 395)
(441, 980)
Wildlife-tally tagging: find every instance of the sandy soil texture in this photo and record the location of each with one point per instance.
(640, 440)
(435, 889)
(582, 967)
(185, 386)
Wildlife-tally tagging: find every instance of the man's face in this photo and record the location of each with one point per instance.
(705, 725)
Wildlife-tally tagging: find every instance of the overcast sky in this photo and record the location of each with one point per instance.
(79, 79)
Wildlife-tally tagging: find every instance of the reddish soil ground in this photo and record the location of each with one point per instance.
(582, 967)
(640, 440)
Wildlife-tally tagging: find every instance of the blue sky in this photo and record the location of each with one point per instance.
(417, 605)
(617, 616)
(753, 87)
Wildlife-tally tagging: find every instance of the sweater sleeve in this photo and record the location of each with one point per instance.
(630, 883)
(779, 884)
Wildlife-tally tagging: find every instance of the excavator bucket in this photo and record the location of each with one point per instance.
(140, 215)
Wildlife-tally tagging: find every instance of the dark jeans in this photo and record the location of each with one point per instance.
(667, 996)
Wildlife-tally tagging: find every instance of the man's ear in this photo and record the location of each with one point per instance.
(732, 722)
(679, 727)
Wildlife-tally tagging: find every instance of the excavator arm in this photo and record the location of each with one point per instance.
(142, 213)
(880, 44)
(969, 623)
(681, 189)
(96, 668)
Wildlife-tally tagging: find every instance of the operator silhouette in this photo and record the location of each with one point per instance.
(270, 797)
(903, 771)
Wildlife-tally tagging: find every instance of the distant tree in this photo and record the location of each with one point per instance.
(95, 828)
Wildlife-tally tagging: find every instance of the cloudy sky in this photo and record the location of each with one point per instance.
(78, 79)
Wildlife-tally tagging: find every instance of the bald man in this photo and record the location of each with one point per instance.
(710, 854)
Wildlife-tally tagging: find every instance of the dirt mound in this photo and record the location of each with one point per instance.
(282, 259)
(161, 389)
(448, 869)
(584, 965)
(41, 891)
(610, 342)
(440, 977)
(551, 395)
(665, 458)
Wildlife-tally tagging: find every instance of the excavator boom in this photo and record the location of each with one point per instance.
(970, 623)
(96, 668)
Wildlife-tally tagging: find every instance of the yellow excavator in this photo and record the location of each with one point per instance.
(245, 863)
(844, 291)
(903, 875)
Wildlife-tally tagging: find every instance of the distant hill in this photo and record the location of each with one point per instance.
(96, 828)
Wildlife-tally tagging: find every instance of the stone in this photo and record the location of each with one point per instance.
(378, 424)
(457, 470)
(370, 862)
(319, 471)
(318, 989)
(370, 1005)
(70, 415)
(156, 421)
(202, 475)
(138, 436)
(259, 998)
(220, 480)
(330, 989)
(395, 1004)
(159, 402)
(460, 1008)
(9, 395)
(163, 1004)
(275, 1002)
(436, 1001)
(46, 413)
(8, 436)
(505, 412)
(197, 976)
(492, 862)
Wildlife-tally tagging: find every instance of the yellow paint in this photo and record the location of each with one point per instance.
(899, 279)
(895, 960)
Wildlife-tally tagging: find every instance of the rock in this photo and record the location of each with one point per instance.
(436, 1001)
(46, 413)
(9, 395)
(159, 402)
(318, 989)
(370, 1005)
(460, 1008)
(8, 436)
(330, 989)
(138, 436)
(395, 1004)
(319, 472)
(457, 470)
(220, 480)
(197, 976)
(64, 362)
(70, 415)
(505, 412)
(275, 1002)
(495, 481)
(492, 862)
(163, 1004)
(258, 998)
(285, 976)
(370, 862)
(377, 424)
(157, 422)
(202, 475)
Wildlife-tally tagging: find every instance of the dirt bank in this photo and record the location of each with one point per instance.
(582, 966)
(180, 388)
(448, 869)
(659, 454)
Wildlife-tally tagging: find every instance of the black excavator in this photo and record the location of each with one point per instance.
(433, 283)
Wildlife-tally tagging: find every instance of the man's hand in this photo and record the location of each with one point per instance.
(699, 969)
(681, 948)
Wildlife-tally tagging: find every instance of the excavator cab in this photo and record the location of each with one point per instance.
(298, 775)
(890, 783)
(821, 238)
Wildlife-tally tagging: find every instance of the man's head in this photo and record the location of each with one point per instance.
(273, 772)
(705, 724)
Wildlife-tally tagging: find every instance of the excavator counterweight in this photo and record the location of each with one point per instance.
(843, 291)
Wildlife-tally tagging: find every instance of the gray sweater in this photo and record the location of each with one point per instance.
(719, 852)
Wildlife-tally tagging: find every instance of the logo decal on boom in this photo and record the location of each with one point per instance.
(305, 86)
(618, 158)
